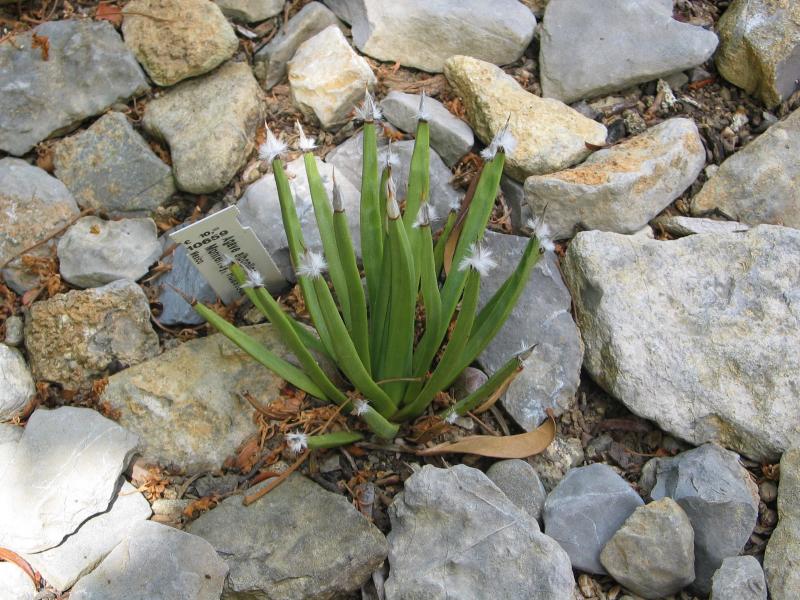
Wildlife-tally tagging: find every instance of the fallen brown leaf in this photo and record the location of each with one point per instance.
(515, 446)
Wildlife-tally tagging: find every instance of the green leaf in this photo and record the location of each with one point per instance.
(288, 334)
(370, 213)
(489, 387)
(297, 247)
(347, 357)
(269, 359)
(333, 440)
(402, 310)
(359, 325)
(324, 217)
(448, 367)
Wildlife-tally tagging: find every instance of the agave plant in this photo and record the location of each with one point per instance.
(371, 335)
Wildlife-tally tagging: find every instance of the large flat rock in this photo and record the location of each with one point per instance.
(589, 48)
(424, 34)
(209, 123)
(761, 182)
(156, 562)
(186, 405)
(298, 542)
(63, 565)
(541, 318)
(699, 334)
(65, 469)
(478, 544)
(88, 69)
(550, 135)
(623, 187)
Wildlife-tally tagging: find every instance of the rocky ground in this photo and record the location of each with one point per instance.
(658, 140)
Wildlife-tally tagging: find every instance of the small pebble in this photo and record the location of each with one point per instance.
(768, 491)
(14, 333)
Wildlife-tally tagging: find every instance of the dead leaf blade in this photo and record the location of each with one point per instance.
(514, 446)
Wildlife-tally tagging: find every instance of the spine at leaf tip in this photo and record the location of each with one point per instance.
(306, 144)
(272, 148)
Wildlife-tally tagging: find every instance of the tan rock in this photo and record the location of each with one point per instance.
(81, 334)
(761, 182)
(550, 135)
(189, 38)
(187, 405)
(760, 47)
(328, 78)
(620, 188)
(210, 125)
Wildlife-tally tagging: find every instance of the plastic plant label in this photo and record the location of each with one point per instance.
(212, 241)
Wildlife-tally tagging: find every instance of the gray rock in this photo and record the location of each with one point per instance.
(14, 333)
(761, 182)
(186, 405)
(269, 63)
(328, 78)
(760, 48)
(250, 11)
(156, 562)
(703, 309)
(186, 277)
(9, 436)
(189, 38)
(679, 226)
(15, 584)
(478, 543)
(585, 509)
(541, 317)
(16, 383)
(298, 542)
(550, 135)
(782, 558)
(93, 252)
(65, 470)
(260, 209)
(587, 50)
(739, 577)
(346, 158)
(556, 460)
(621, 188)
(209, 124)
(518, 480)
(83, 550)
(717, 494)
(88, 69)
(424, 34)
(652, 554)
(468, 381)
(32, 205)
(450, 136)
(514, 196)
(82, 334)
(111, 168)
